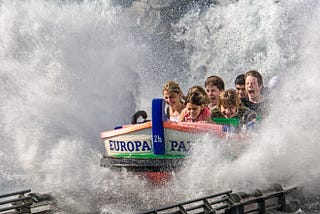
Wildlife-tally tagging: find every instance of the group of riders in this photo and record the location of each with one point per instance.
(246, 104)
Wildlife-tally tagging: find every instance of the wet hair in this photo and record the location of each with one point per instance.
(195, 98)
(255, 74)
(172, 86)
(200, 89)
(215, 81)
(229, 98)
(240, 80)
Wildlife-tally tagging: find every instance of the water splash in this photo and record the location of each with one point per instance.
(236, 36)
(274, 37)
(67, 73)
(69, 69)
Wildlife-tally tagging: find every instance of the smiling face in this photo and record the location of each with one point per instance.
(229, 103)
(229, 112)
(253, 89)
(193, 110)
(213, 94)
(171, 98)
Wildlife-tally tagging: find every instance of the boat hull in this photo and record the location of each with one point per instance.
(155, 146)
(157, 164)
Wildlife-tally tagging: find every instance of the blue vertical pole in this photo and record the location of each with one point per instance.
(158, 116)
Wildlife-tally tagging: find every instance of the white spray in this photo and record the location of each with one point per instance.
(70, 70)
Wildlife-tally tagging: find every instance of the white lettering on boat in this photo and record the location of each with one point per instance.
(129, 146)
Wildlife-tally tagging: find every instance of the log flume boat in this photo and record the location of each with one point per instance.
(158, 145)
(155, 148)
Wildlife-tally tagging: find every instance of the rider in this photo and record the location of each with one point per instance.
(196, 109)
(175, 99)
(256, 101)
(240, 86)
(230, 107)
(214, 85)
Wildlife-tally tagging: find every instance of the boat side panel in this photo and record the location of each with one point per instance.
(179, 142)
(138, 142)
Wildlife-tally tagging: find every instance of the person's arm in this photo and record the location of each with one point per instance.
(208, 120)
(207, 115)
(182, 115)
